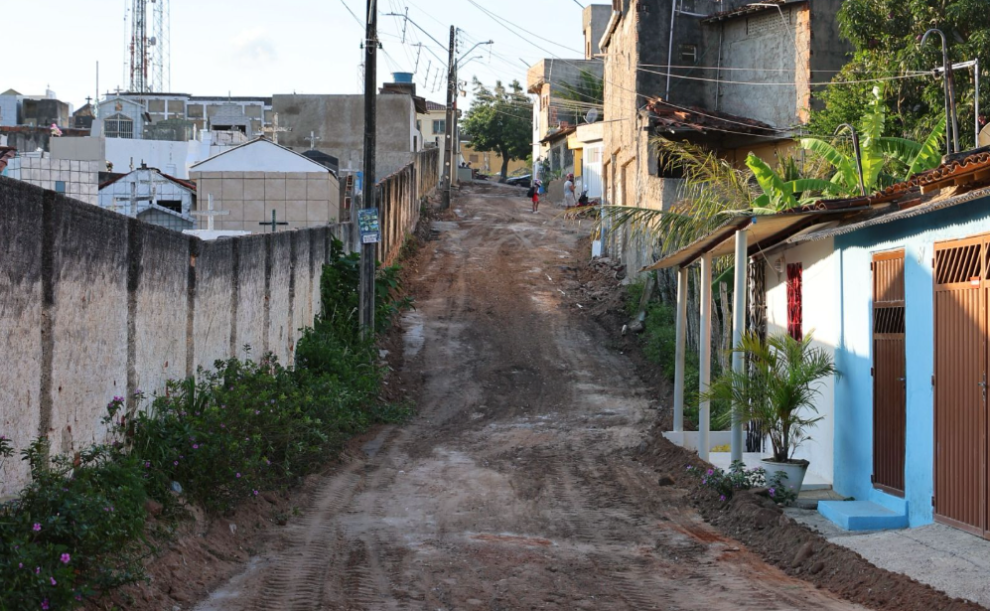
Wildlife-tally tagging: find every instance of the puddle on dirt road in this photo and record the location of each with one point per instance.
(440, 226)
(413, 333)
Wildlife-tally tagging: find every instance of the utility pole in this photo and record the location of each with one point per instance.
(448, 152)
(369, 201)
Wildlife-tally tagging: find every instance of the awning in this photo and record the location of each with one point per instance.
(765, 231)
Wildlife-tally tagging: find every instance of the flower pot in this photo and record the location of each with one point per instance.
(793, 471)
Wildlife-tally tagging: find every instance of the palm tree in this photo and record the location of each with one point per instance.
(778, 389)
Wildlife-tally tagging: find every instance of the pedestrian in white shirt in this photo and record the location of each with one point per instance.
(570, 197)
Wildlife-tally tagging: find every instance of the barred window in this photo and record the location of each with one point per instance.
(119, 126)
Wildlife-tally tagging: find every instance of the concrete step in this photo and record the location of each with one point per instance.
(862, 515)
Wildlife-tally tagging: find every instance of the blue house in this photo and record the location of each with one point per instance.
(896, 287)
(910, 407)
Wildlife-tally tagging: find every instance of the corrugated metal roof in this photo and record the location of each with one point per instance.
(692, 118)
(892, 213)
(748, 9)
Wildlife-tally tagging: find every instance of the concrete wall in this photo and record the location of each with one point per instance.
(338, 120)
(820, 316)
(764, 48)
(854, 357)
(94, 304)
(594, 19)
(303, 199)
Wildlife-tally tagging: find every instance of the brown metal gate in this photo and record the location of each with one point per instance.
(889, 418)
(960, 384)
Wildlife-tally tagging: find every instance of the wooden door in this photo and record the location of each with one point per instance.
(960, 384)
(889, 404)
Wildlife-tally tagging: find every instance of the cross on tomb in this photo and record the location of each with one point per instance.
(274, 224)
(313, 139)
(275, 130)
(209, 213)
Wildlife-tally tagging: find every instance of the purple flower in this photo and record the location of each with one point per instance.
(44, 604)
(20, 565)
(175, 462)
(711, 472)
(704, 480)
(37, 570)
(54, 583)
(255, 493)
(238, 476)
(195, 446)
(722, 498)
(222, 425)
(65, 558)
(690, 467)
(147, 465)
(257, 411)
(36, 527)
(772, 492)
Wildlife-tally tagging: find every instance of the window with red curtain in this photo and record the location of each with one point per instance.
(794, 319)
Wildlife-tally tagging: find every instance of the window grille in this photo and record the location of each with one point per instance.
(119, 126)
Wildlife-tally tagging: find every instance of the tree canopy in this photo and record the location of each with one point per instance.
(886, 36)
(500, 120)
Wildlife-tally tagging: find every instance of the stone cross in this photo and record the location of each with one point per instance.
(274, 224)
(313, 139)
(275, 130)
(209, 213)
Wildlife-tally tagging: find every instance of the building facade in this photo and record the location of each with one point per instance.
(252, 181)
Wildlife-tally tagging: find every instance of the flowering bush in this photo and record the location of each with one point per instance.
(726, 482)
(69, 534)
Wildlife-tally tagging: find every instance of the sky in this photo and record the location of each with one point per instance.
(261, 47)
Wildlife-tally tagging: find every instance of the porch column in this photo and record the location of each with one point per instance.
(679, 348)
(738, 328)
(705, 354)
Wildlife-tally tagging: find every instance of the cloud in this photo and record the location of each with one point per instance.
(254, 46)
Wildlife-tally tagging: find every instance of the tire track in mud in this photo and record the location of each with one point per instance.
(514, 487)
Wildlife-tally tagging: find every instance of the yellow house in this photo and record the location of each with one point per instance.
(490, 162)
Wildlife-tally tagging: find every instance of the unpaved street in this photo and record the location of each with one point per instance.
(514, 488)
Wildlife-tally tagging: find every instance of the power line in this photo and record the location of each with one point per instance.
(359, 22)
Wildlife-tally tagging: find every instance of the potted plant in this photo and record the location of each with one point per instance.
(779, 389)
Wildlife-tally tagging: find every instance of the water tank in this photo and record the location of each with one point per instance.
(402, 77)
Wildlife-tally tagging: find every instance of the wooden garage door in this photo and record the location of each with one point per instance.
(960, 384)
(889, 418)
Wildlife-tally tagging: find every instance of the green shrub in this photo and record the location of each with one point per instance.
(725, 483)
(71, 533)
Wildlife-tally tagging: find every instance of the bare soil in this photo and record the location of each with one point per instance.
(523, 483)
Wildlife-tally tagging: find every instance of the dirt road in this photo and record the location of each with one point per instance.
(514, 488)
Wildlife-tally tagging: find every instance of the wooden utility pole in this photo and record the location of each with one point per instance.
(448, 149)
(369, 201)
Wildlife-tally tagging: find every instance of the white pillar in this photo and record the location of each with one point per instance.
(705, 355)
(738, 327)
(679, 348)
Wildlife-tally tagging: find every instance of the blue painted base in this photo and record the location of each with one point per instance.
(862, 515)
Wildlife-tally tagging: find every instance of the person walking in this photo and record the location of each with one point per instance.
(570, 197)
(534, 194)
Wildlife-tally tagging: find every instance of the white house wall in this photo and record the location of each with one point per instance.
(165, 190)
(820, 316)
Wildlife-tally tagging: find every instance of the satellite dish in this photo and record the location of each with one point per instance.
(985, 136)
(592, 115)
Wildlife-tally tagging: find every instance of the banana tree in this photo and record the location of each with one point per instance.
(879, 154)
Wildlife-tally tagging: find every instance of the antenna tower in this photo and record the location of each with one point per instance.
(150, 46)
